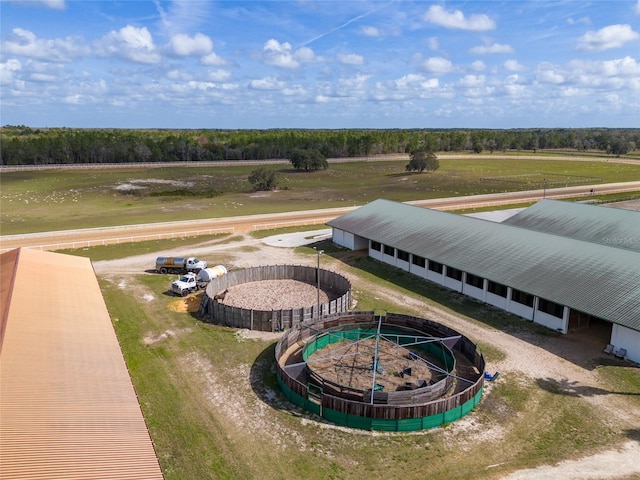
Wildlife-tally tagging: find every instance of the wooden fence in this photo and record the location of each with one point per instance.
(213, 310)
(297, 380)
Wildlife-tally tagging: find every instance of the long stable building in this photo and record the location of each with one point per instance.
(68, 409)
(559, 264)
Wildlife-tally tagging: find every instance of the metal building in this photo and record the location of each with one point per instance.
(562, 265)
(68, 409)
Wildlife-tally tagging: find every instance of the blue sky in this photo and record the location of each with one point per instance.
(320, 64)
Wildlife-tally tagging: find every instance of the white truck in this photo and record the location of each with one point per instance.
(191, 282)
(187, 284)
(179, 264)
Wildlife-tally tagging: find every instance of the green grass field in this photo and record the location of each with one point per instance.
(36, 201)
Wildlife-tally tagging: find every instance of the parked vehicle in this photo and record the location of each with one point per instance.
(179, 264)
(187, 284)
(191, 282)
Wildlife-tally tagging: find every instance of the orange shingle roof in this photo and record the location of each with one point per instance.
(67, 405)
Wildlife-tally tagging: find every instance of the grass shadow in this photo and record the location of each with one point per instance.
(574, 389)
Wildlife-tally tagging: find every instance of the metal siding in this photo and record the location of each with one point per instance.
(597, 279)
(67, 405)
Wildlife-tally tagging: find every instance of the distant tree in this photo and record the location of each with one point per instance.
(263, 180)
(422, 159)
(308, 160)
(618, 147)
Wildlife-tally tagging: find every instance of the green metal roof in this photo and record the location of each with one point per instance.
(593, 278)
(614, 227)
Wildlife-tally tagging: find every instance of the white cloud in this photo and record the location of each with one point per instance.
(267, 83)
(8, 69)
(583, 20)
(548, 74)
(351, 59)
(626, 67)
(409, 79)
(25, 43)
(219, 75)
(179, 75)
(437, 65)
(305, 54)
(370, 31)
(53, 4)
(214, 60)
(456, 19)
(283, 55)
(638, 7)
(469, 81)
(622, 66)
(295, 91)
(184, 45)
(514, 66)
(432, 43)
(613, 36)
(130, 43)
(493, 48)
(478, 66)
(42, 77)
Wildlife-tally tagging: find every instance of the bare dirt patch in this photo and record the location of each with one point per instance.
(154, 338)
(190, 303)
(351, 364)
(274, 295)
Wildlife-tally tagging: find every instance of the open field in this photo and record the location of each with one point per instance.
(215, 411)
(50, 200)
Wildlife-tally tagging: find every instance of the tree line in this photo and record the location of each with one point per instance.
(22, 145)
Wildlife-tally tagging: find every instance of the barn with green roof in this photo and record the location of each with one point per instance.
(563, 265)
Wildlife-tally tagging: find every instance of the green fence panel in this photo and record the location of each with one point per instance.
(452, 415)
(384, 425)
(410, 425)
(334, 416)
(362, 423)
(432, 421)
(313, 407)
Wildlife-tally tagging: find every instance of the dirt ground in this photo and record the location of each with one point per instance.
(558, 360)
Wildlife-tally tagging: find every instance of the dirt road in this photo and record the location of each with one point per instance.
(128, 233)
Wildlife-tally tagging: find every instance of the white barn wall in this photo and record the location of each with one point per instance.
(496, 300)
(435, 277)
(474, 292)
(337, 237)
(551, 321)
(402, 264)
(348, 240)
(623, 337)
(418, 271)
(521, 310)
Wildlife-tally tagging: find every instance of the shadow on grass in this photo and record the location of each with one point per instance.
(264, 383)
(583, 349)
(574, 389)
